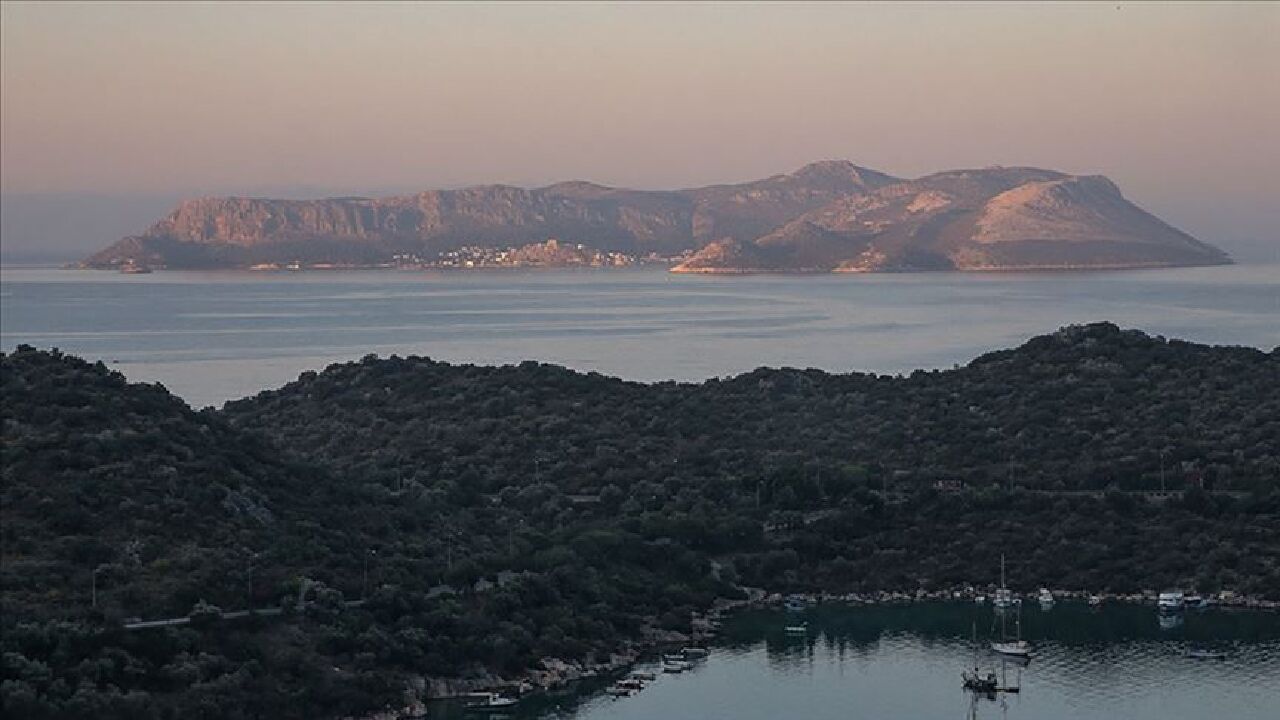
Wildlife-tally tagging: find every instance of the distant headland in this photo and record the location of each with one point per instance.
(830, 216)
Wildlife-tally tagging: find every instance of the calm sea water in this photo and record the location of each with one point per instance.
(905, 662)
(211, 337)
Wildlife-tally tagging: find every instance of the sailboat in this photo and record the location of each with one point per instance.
(1016, 647)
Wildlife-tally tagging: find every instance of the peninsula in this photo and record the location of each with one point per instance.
(830, 216)
(395, 529)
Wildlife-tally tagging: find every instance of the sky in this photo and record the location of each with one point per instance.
(141, 104)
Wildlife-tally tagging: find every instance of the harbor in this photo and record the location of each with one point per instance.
(873, 660)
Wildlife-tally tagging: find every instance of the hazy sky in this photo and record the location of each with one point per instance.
(1180, 104)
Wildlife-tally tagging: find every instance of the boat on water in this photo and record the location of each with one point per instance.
(1171, 601)
(695, 651)
(796, 603)
(675, 664)
(644, 676)
(133, 267)
(492, 701)
(1095, 601)
(974, 681)
(1046, 598)
(801, 629)
(1014, 647)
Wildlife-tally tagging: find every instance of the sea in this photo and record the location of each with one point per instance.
(214, 336)
(1120, 662)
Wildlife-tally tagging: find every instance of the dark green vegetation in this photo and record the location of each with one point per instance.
(600, 509)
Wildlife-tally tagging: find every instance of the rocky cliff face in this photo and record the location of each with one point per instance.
(989, 219)
(243, 231)
(827, 216)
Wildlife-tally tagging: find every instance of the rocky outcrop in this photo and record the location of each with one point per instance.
(989, 219)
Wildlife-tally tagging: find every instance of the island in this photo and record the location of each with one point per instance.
(829, 216)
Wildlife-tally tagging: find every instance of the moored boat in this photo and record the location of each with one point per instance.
(1012, 648)
(492, 701)
(133, 267)
(1171, 601)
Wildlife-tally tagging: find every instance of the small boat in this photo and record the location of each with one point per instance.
(618, 691)
(1171, 601)
(1015, 647)
(644, 676)
(1046, 598)
(980, 600)
(1207, 654)
(695, 652)
(796, 603)
(1095, 601)
(629, 683)
(978, 683)
(133, 267)
(673, 657)
(1012, 648)
(675, 666)
(492, 701)
(801, 629)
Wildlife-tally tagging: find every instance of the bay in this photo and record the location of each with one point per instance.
(214, 336)
(904, 661)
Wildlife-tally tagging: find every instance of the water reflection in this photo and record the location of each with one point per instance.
(906, 661)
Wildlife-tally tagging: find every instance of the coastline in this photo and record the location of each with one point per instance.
(556, 675)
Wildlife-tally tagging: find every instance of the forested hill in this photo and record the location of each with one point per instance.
(1086, 408)
(492, 517)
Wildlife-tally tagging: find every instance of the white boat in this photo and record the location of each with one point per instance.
(1171, 601)
(675, 666)
(1046, 598)
(801, 629)
(1095, 601)
(492, 701)
(1012, 647)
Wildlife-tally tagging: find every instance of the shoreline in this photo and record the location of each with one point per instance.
(557, 675)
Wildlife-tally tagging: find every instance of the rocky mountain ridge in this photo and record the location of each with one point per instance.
(827, 216)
